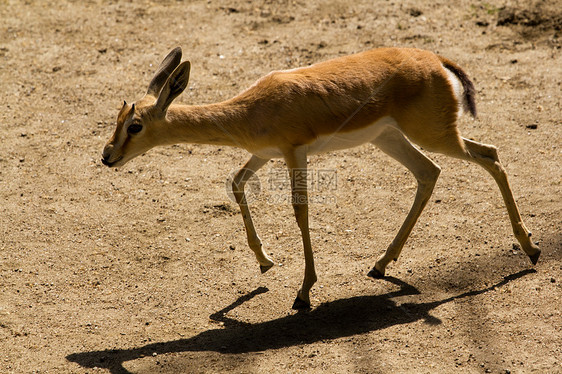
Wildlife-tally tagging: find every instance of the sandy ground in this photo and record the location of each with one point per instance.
(145, 269)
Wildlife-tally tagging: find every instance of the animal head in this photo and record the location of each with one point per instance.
(138, 124)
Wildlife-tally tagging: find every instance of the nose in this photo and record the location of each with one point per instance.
(106, 155)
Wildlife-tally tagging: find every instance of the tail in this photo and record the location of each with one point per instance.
(469, 92)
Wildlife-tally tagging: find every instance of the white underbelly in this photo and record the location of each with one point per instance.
(350, 139)
(337, 140)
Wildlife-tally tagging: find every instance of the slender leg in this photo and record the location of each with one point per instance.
(487, 157)
(394, 144)
(296, 162)
(238, 183)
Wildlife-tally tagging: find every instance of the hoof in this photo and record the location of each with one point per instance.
(263, 268)
(375, 274)
(300, 304)
(535, 258)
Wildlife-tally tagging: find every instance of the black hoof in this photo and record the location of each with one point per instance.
(300, 304)
(375, 274)
(535, 258)
(263, 269)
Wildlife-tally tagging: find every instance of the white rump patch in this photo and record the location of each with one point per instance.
(458, 89)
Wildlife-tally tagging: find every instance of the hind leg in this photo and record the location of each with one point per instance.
(487, 157)
(393, 143)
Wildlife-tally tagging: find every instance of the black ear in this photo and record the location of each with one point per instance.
(164, 70)
(176, 83)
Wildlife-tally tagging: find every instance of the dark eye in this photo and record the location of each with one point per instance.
(134, 128)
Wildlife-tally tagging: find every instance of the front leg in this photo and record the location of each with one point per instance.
(296, 162)
(238, 183)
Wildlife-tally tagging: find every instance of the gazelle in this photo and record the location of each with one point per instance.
(389, 97)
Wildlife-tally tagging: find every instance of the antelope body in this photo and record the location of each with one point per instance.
(389, 97)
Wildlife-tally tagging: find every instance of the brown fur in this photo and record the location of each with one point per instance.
(330, 105)
(294, 107)
(381, 82)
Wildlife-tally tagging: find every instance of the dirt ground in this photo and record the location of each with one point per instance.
(145, 269)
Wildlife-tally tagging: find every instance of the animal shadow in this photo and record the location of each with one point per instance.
(331, 320)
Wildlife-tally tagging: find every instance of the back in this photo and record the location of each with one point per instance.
(346, 93)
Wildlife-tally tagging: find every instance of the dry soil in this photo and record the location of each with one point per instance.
(145, 269)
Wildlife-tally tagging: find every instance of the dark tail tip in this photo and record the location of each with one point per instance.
(469, 90)
(469, 94)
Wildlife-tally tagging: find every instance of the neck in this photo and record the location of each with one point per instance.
(220, 124)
